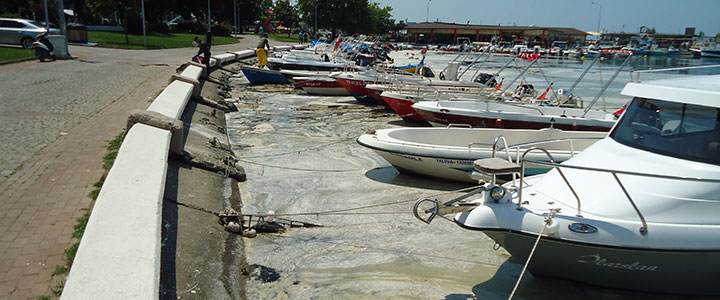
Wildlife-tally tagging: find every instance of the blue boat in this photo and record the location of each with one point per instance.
(263, 76)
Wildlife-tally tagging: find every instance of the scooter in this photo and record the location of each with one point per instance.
(43, 51)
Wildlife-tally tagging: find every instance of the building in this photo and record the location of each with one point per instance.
(451, 33)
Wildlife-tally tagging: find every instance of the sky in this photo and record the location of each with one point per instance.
(666, 16)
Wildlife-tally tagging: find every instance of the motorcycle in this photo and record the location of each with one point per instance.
(43, 48)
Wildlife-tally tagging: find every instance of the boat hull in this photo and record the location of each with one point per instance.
(375, 94)
(323, 87)
(710, 53)
(262, 76)
(403, 107)
(446, 169)
(357, 89)
(656, 271)
(442, 119)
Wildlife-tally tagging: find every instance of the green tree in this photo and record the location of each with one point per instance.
(350, 16)
(286, 13)
(381, 18)
(107, 8)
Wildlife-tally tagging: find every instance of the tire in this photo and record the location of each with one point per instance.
(42, 58)
(27, 42)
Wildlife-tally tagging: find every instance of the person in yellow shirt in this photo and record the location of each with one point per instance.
(261, 52)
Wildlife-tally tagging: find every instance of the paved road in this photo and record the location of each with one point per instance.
(55, 120)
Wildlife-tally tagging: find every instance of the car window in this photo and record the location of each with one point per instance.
(12, 24)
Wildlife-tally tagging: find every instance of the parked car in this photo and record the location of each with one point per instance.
(54, 29)
(19, 31)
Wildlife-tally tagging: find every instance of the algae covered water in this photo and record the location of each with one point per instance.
(300, 155)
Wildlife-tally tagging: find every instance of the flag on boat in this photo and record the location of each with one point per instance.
(542, 97)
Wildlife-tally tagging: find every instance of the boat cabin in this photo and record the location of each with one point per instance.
(667, 118)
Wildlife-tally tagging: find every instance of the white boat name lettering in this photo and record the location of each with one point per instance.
(595, 259)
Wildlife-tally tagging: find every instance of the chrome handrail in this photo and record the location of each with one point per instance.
(643, 230)
(498, 139)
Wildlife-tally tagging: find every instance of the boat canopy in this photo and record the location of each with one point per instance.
(698, 90)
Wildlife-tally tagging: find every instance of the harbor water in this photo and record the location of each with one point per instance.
(300, 156)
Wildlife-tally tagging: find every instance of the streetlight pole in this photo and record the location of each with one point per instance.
(427, 12)
(235, 15)
(142, 11)
(316, 28)
(599, 14)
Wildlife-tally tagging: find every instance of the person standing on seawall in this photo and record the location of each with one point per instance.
(205, 50)
(261, 52)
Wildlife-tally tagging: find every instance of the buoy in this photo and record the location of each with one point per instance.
(250, 233)
(233, 227)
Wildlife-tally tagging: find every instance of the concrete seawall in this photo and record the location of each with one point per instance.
(137, 246)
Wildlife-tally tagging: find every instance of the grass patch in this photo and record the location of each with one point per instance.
(109, 160)
(283, 37)
(59, 270)
(57, 291)
(80, 225)
(70, 253)
(114, 144)
(94, 194)
(8, 54)
(154, 41)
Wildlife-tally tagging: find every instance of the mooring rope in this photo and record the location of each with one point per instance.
(302, 150)
(297, 169)
(345, 210)
(527, 262)
(336, 212)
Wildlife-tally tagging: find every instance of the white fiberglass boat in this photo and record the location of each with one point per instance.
(448, 153)
(637, 210)
(487, 113)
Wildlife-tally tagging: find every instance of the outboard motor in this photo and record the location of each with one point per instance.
(524, 90)
(483, 79)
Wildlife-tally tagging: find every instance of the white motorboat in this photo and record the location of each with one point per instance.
(448, 153)
(637, 210)
(487, 113)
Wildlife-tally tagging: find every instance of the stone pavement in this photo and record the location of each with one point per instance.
(55, 121)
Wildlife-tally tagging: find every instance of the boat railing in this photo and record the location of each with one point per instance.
(516, 148)
(557, 166)
(458, 125)
(670, 69)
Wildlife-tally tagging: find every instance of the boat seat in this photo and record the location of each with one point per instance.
(496, 166)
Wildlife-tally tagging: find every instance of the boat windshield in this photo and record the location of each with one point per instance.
(679, 130)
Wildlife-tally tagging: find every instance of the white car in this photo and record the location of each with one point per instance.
(19, 31)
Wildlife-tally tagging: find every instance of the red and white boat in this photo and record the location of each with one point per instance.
(319, 85)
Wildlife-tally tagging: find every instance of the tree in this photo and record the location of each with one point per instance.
(382, 20)
(107, 8)
(350, 16)
(286, 13)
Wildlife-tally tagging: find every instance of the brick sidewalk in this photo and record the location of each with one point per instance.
(42, 200)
